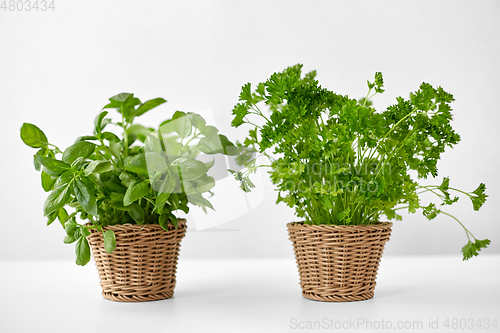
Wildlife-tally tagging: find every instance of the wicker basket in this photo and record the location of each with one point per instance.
(143, 265)
(338, 263)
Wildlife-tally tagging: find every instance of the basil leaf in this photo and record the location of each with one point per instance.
(166, 185)
(47, 181)
(58, 197)
(124, 103)
(105, 122)
(198, 200)
(70, 227)
(217, 144)
(182, 126)
(153, 144)
(210, 164)
(163, 222)
(110, 137)
(112, 186)
(197, 121)
(82, 251)
(148, 105)
(116, 149)
(121, 97)
(173, 200)
(33, 136)
(69, 239)
(131, 139)
(98, 167)
(210, 145)
(62, 216)
(178, 114)
(161, 199)
(173, 219)
(83, 193)
(80, 149)
(52, 217)
(109, 240)
(36, 164)
(188, 188)
(166, 127)
(140, 131)
(83, 231)
(229, 148)
(52, 166)
(189, 168)
(126, 179)
(155, 163)
(136, 191)
(210, 131)
(137, 213)
(184, 208)
(138, 165)
(204, 183)
(120, 206)
(129, 109)
(85, 138)
(75, 165)
(117, 197)
(98, 121)
(41, 152)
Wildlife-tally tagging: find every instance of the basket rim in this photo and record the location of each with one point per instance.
(302, 226)
(146, 227)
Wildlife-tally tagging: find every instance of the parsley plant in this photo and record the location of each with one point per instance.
(337, 160)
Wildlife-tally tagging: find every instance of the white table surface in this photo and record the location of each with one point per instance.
(254, 295)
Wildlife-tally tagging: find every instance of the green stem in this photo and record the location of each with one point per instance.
(366, 98)
(252, 169)
(386, 158)
(372, 95)
(437, 194)
(260, 113)
(271, 159)
(195, 135)
(467, 232)
(399, 122)
(146, 212)
(125, 135)
(57, 148)
(450, 188)
(368, 218)
(249, 122)
(108, 154)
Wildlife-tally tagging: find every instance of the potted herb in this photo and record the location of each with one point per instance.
(126, 191)
(345, 167)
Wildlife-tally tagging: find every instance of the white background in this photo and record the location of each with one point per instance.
(57, 69)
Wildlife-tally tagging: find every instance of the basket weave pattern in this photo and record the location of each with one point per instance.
(143, 265)
(338, 263)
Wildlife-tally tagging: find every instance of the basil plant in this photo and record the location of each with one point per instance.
(144, 176)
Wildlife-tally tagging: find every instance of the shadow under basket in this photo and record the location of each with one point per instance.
(143, 265)
(338, 263)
